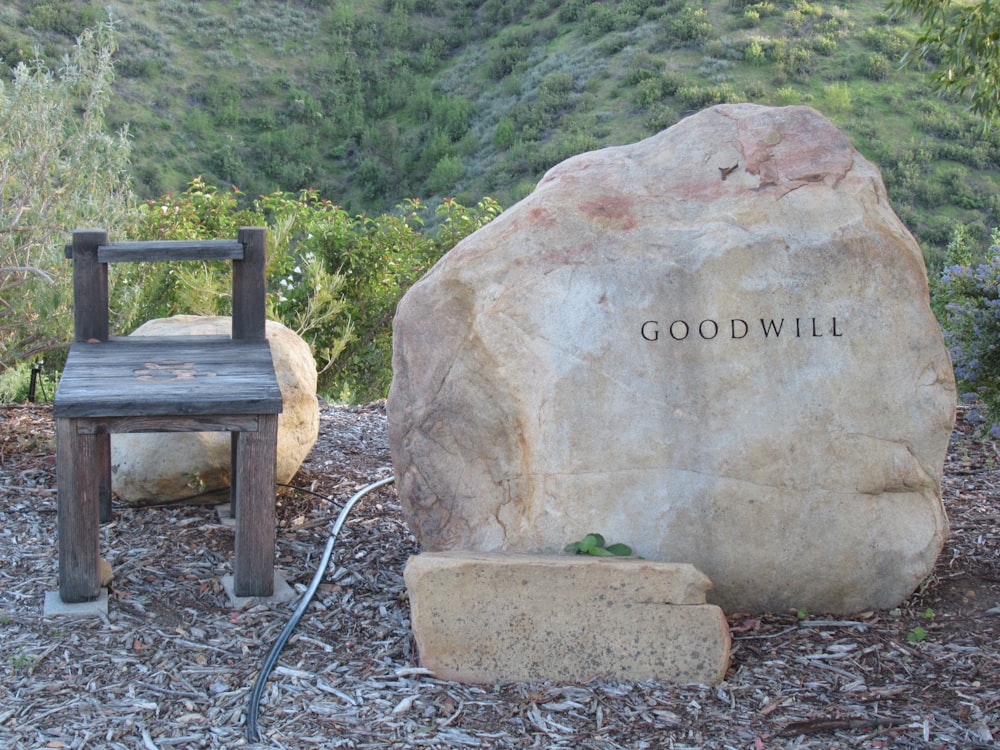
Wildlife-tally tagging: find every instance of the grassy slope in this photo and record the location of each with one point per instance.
(374, 101)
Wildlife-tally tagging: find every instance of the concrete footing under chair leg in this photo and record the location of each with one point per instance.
(225, 513)
(486, 618)
(55, 607)
(282, 593)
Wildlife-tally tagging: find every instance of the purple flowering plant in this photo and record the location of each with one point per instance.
(967, 298)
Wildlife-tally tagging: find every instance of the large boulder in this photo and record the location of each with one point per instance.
(714, 345)
(148, 467)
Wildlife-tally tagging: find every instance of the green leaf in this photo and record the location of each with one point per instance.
(589, 542)
(600, 552)
(573, 548)
(620, 550)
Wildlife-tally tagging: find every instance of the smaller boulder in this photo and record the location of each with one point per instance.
(149, 467)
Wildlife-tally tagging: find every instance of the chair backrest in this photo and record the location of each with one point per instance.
(91, 253)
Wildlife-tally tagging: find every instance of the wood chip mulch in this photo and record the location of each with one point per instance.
(173, 663)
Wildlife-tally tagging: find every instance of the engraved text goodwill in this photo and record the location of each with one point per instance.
(738, 328)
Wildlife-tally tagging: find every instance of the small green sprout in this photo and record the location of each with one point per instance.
(916, 635)
(594, 544)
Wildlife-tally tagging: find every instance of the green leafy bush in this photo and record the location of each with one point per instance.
(876, 67)
(62, 16)
(754, 53)
(334, 278)
(59, 169)
(967, 298)
(836, 98)
(689, 25)
(15, 383)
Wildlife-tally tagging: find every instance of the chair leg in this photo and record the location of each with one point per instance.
(104, 475)
(77, 497)
(233, 479)
(254, 474)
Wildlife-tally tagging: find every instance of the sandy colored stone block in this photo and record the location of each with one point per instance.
(483, 618)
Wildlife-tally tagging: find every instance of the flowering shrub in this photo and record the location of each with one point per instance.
(333, 278)
(968, 301)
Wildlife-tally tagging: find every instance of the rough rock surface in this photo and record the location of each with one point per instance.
(714, 345)
(480, 617)
(164, 466)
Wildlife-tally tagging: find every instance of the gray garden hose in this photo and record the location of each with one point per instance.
(272, 656)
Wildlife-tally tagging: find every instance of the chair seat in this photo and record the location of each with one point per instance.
(168, 376)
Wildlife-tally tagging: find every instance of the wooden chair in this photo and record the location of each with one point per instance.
(165, 384)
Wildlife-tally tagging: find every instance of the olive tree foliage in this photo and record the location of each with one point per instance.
(59, 169)
(960, 39)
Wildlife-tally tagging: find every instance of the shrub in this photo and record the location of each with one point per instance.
(967, 296)
(836, 98)
(571, 11)
(445, 174)
(876, 67)
(754, 53)
(503, 62)
(786, 96)
(598, 19)
(825, 45)
(700, 97)
(505, 134)
(647, 93)
(794, 19)
(334, 278)
(891, 42)
(659, 117)
(60, 170)
(62, 16)
(16, 382)
(749, 19)
(689, 25)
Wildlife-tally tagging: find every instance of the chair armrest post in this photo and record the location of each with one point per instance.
(90, 286)
(249, 285)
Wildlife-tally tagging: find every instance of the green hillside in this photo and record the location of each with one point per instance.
(371, 102)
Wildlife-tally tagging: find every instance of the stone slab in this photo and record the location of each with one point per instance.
(490, 617)
(282, 593)
(55, 607)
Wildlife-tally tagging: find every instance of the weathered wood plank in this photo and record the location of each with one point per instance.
(169, 423)
(77, 498)
(162, 366)
(134, 407)
(167, 250)
(254, 477)
(169, 375)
